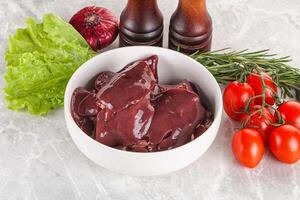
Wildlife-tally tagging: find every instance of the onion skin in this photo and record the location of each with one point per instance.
(97, 25)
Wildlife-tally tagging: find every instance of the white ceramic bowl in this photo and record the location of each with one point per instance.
(172, 67)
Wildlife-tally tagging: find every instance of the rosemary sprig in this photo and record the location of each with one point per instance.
(227, 66)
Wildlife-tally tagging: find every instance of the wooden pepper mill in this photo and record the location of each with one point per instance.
(141, 23)
(190, 27)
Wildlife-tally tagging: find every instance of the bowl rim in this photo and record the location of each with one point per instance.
(69, 118)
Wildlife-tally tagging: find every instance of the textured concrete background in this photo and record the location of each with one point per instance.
(38, 159)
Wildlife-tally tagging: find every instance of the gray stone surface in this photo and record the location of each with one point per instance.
(38, 159)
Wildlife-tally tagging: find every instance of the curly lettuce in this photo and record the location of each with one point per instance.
(40, 60)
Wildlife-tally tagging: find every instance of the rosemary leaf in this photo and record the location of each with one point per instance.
(228, 65)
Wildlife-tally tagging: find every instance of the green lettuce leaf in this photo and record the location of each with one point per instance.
(40, 60)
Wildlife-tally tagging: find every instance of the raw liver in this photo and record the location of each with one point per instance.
(129, 110)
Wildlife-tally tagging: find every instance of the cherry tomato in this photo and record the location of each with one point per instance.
(248, 147)
(235, 98)
(290, 112)
(262, 122)
(284, 143)
(254, 80)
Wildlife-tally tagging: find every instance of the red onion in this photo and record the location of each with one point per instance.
(97, 25)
